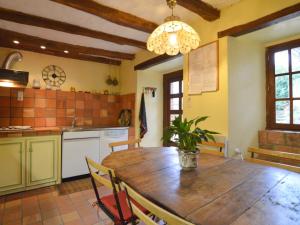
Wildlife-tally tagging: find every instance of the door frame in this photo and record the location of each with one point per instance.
(167, 78)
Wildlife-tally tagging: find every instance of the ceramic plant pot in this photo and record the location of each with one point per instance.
(188, 160)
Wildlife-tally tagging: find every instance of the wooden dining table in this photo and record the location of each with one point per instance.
(221, 191)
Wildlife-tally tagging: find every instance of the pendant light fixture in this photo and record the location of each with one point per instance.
(173, 36)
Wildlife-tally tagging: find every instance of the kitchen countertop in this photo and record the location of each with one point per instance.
(90, 128)
(40, 131)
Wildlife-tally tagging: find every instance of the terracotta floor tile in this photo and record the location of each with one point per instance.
(109, 222)
(27, 220)
(88, 192)
(12, 222)
(91, 219)
(26, 206)
(38, 223)
(66, 204)
(13, 210)
(45, 208)
(81, 203)
(53, 221)
(76, 195)
(62, 198)
(68, 217)
(50, 214)
(65, 209)
(29, 199)
(47, 204)
(45, 196)
(75, 222)
(13, 203)
(9, 218)
(28, 211)
(87, 214)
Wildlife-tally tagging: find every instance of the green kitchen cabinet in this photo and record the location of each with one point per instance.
(29, 162)
(42, 160)
(12, 164)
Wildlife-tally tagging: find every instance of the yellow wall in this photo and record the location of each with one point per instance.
(154, 106)
(215, 104)
(247, 94)
(83, 75)
(212, 104)
(128, 77)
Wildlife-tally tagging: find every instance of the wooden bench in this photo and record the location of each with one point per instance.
(214, 148)
(276, 154)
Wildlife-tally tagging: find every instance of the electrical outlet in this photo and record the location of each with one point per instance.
(20, 96)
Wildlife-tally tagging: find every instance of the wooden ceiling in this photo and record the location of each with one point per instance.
(92, 30)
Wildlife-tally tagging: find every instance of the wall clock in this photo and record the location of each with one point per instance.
(53, 76)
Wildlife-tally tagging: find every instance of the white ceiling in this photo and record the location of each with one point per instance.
(152, 10)
(220, 4)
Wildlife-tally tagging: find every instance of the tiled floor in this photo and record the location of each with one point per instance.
(66, 204)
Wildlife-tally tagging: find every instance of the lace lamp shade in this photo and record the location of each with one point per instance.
(173, 37)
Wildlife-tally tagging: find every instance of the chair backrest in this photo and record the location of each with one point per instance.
(121, 143)
(275, 154)
(214, 148)
(166, 216)
(94, 169)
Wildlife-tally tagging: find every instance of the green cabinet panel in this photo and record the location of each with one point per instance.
(42, 155)
(12, 164)
(29, 162)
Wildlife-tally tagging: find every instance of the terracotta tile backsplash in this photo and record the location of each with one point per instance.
(47, 108)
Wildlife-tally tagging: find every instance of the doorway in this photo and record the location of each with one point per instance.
(173, 95)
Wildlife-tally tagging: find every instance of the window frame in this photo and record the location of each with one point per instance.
(270, 86)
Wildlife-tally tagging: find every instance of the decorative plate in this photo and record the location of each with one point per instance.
(53, 76)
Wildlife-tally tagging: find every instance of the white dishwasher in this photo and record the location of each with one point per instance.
(75, 146)
(111, 135)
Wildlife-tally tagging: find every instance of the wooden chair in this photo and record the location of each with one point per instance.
(275, 154)
(214, 148)
(122, 143)
(115, 204)
(155, 210)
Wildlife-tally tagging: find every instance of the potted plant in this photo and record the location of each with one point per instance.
(186, 135)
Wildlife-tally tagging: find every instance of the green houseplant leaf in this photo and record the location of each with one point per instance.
(186, 135)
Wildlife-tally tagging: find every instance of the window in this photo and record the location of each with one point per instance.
(173, 93)
(283, 86)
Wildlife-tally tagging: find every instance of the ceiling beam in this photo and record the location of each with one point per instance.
(22, 18)
(155, 61)
(61, 46)
(201, 8)
(110, 14)
(32, 43)
(263, 22)
(8, 44)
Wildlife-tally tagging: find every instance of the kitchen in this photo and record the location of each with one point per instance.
(88, 87)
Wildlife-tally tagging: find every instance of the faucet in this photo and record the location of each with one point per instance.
(74, 122)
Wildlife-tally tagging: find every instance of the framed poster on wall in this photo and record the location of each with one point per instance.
(203, 69)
